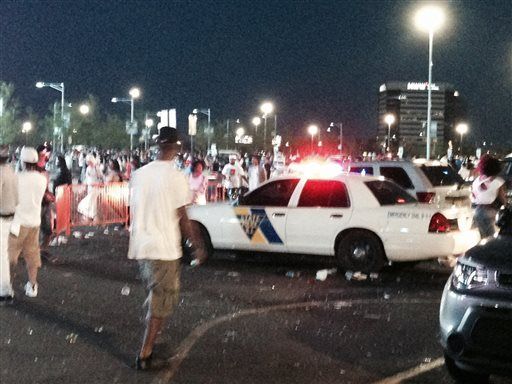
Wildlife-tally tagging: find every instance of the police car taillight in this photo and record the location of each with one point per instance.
(439, 224)
(425, 197)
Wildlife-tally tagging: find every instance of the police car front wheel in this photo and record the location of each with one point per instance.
(360, 250)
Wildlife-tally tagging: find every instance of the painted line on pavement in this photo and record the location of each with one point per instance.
(186, 345)
(413, 372)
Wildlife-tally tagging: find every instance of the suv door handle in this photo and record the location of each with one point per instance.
(336, 216)
(277, 214)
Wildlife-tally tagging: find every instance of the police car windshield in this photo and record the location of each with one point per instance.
(440, 175)
(389, 193)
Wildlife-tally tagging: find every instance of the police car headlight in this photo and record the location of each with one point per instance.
(469, 277)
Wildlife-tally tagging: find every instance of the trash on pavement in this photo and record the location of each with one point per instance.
(292, 274)
(125, 291)
(105, 232)
(77, 234)
(233, 274)
(71, 338)
(374, 276)
(359, 276)
(322, 274)
(387, 296)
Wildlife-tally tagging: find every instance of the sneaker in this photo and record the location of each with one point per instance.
(31, 290)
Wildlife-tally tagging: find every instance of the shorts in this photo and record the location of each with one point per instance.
(26, 244)
(162, 278)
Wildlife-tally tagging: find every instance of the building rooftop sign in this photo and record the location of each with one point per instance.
(421, 86)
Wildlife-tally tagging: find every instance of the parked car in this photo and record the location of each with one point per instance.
(476, 309)
(506, 173)
(429, 181)
(363, 221)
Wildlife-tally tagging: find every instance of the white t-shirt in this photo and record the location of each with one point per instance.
(31, 189)
(233, 173)
(485, 189)
(157, 191)
(254, 177)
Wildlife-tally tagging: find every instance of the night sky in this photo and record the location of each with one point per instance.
(319, 61)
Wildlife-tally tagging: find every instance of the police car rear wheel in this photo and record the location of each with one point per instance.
(205, 236)
(360, 250)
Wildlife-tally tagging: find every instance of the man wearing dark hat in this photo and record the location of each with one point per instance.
(159, 194)
(8, 202)
(24, 236)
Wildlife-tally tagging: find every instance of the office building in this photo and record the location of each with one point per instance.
(407, 101)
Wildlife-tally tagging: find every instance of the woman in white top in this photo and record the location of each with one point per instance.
(198, 183)
(488, 194)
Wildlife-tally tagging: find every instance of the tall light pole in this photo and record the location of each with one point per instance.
(389, 119)
(266, 108)
(340, 126)
(429, 19)
(205, 111)
(26, 128)
(134, 94)
(58, 87)
(462, 129)
(312, 130)
(148, 123)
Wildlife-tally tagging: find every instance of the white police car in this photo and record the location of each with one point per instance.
(363, 221)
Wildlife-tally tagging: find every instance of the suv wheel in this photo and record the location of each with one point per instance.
(464, 376)
(360, 250)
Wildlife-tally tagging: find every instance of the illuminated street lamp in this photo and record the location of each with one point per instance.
(266, 108)
(134, 94)
(340, 126)
(312, 130)
(462, 129)
(84, 109)
(26, 128)
(389, 119)
(429, 19)
(58, 87)
(256, 121)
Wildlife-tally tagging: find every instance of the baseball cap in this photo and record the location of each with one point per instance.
(29, 155)
(167, 135)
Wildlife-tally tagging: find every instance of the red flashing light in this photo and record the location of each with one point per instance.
(439, 224)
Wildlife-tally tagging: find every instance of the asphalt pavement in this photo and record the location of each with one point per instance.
(241, 319)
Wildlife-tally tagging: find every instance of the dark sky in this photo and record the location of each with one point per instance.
(319, 61)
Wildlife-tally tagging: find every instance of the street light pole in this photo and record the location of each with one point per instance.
(429, 18)
(429, 92)
(58, 87)
(340, 126)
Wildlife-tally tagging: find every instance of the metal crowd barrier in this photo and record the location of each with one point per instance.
(95, 205)
(79, 205)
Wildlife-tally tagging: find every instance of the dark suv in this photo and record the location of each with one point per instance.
(507, 175)
(476, 309)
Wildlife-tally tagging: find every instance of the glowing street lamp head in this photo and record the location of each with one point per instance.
(84, 109)
(149, 123)
(267, 108)
(389, 119)
(462, 128)
(240, 132)
(26, 127)
(39, 84)
(256, 121)
(313, 130)
(429, 18)
(135, 93)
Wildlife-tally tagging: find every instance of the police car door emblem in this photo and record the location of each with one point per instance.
(257, 226)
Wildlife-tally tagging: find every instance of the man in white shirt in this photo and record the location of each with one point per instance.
(8, 202)
(256, 173)
(159, 194)
(24, 236)
(232, 174)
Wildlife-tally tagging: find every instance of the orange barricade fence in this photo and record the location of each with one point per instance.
(95, 205)
(102, 204)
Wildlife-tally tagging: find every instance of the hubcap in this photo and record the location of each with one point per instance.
(360, 251)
